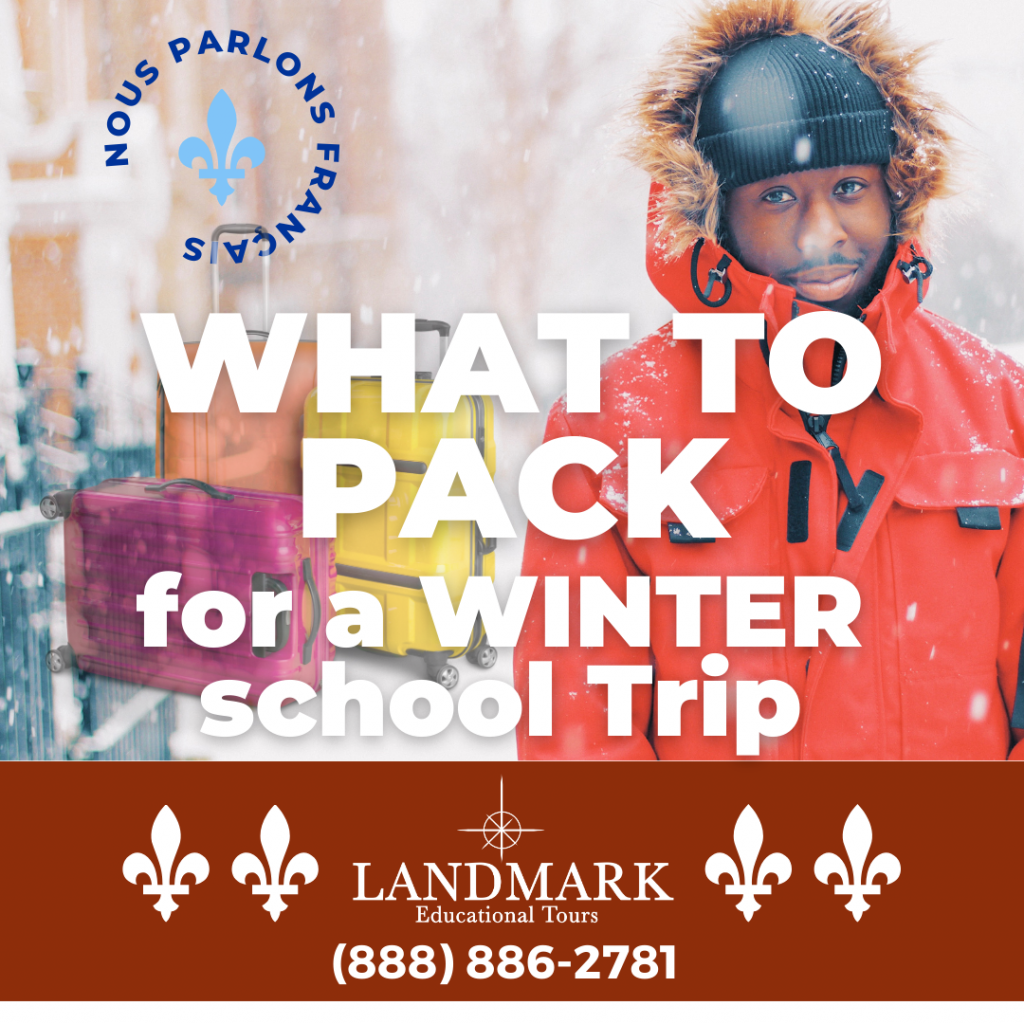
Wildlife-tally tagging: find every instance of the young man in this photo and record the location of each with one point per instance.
(793, 158)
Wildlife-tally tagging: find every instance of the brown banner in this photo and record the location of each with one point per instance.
(933, 894)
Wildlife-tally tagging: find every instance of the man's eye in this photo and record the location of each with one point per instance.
(848, 188)
(777, 196)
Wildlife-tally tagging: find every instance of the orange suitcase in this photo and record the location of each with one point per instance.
(257, 451)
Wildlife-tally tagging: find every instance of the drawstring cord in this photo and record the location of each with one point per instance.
(718, 273)
(913, 270)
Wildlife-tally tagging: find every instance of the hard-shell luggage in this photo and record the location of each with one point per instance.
(120, 533)
(222, 447)
(371, 557)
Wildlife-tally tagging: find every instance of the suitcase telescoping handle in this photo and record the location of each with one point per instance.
(189, 482)
(240, 229)
(444, 331)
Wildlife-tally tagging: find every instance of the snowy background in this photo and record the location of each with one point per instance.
(481, 173)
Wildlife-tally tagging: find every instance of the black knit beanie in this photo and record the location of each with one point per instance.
(791, 103)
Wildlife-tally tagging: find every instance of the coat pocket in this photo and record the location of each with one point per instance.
(728, 492)
(964, 481)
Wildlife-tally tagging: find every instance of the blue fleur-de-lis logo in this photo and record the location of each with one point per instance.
(222, 121)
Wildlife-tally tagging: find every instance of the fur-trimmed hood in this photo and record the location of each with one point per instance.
(665, 116)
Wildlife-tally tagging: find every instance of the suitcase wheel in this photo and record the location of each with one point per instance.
(483, 657)
(58, 505)
(447, 676)
(59, 659)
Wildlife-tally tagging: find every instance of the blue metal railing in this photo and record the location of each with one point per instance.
(120, 721)
(26, 694)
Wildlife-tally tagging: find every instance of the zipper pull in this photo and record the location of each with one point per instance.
(815, 426)
(856, 502)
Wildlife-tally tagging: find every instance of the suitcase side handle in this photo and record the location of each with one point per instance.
(307, 576)
(263, 582)
(240, 229)
(189, 482)
(443, 329)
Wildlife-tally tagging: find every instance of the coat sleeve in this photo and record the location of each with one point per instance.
(579, 713)
(1011, 630)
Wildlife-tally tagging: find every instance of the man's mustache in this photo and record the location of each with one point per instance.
(834, 260)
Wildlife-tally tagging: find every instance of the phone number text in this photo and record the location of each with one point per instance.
(589, 963)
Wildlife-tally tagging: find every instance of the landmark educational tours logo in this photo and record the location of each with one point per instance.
(225, 166)
(483, 882)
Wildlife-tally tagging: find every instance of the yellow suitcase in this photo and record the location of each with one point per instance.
(372, 557)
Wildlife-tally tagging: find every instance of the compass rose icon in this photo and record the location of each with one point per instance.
(502, 829)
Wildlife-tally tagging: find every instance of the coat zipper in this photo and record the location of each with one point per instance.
(816, 427)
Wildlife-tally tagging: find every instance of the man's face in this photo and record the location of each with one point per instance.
(821, 232)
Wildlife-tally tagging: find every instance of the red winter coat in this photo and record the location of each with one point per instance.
(942, 606)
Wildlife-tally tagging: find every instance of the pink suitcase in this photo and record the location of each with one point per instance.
(120, 533)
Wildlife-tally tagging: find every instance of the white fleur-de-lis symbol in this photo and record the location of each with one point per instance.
(857, 884)
(166, 838)
(748, 837)
(275, 835)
